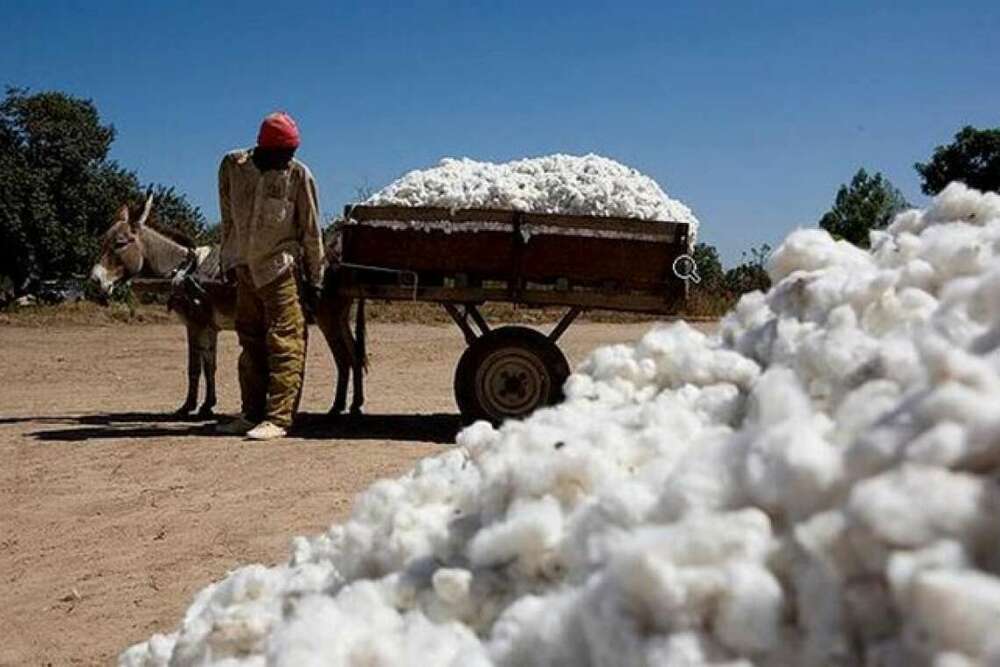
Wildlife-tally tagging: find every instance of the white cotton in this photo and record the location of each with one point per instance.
(565, 184)
(817, 484)
(958, 609)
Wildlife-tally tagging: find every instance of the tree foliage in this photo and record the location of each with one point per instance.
(751, 273)
(719, 289)
(867, 203)
(709, 266)
(972, 158)
(59, 190)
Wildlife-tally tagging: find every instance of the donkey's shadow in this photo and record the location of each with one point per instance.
(435, 428)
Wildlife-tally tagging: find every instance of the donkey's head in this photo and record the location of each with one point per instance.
(122, 252)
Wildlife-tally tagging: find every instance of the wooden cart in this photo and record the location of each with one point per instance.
(465, 258)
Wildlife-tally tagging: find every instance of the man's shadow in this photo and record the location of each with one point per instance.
(434, 428)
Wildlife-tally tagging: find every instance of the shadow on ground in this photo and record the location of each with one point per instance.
(434, 428)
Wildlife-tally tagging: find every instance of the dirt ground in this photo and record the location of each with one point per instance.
(113, 514)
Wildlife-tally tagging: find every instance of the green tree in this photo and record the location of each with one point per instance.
(972, 158)
(709, 266)
(59, 190)
(751, 273)
(867, 203)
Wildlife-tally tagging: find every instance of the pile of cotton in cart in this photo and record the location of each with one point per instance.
(816, 485)
(565, 184)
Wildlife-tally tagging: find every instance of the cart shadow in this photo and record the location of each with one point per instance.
(433, 428)
(437, 428)
(107, 419)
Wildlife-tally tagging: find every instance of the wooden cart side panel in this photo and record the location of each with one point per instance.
(598, 262)
(674, 232)
(487, 254)
(667, 230)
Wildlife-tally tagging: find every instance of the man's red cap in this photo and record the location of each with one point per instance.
(278, 131)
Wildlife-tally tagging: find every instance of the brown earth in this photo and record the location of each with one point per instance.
(113, 514)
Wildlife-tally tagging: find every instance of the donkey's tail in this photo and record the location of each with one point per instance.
(360, 333)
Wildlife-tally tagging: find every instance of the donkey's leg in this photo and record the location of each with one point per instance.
(193, 371)
(343, 360)
(328, 320)
(356, 353)
(209, 338)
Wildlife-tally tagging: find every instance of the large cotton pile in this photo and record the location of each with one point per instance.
(815, 486)
(567, 184)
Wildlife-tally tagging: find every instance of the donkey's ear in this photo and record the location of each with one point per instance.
(145, 212)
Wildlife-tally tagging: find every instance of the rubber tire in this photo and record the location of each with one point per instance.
(533, 346)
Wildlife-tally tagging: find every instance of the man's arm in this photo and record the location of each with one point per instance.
(228, 251)
(310, 235)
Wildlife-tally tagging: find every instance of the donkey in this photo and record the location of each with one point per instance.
(134, 247)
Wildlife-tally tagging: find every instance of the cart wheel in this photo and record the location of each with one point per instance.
(508, 373)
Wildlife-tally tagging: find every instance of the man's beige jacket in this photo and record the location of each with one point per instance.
(270, 220)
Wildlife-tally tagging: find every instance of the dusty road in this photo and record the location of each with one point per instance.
(112, 515)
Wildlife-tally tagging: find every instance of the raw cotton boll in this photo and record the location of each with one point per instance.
(653, 593)
(833, 359)
(673, 579)
(750, 314)
(530, 531)
(893, 311)
(946, 363)
(919, 274)
(232, 618)
(959, 610)
(822, 539)
(478, 438)
(814, 250)
(907, 222)
(791, 469)
(959, 202)
(789, 465)
(711, 539)
(452, 585)
(154, 653)
(357, 627)
(537, 630)
(706, 478)
(956, 250)
(721, 404)
(776, 398)
(861, 408)
(984, 302)
(748, 619)
(680, 355)
(944, 444)
(595, 531)
(913, 506)
(904, 566)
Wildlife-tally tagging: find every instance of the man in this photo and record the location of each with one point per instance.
(270, 235)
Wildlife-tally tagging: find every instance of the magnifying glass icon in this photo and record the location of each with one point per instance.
(686, 268)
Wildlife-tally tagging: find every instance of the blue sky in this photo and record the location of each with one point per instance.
(750, 112)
